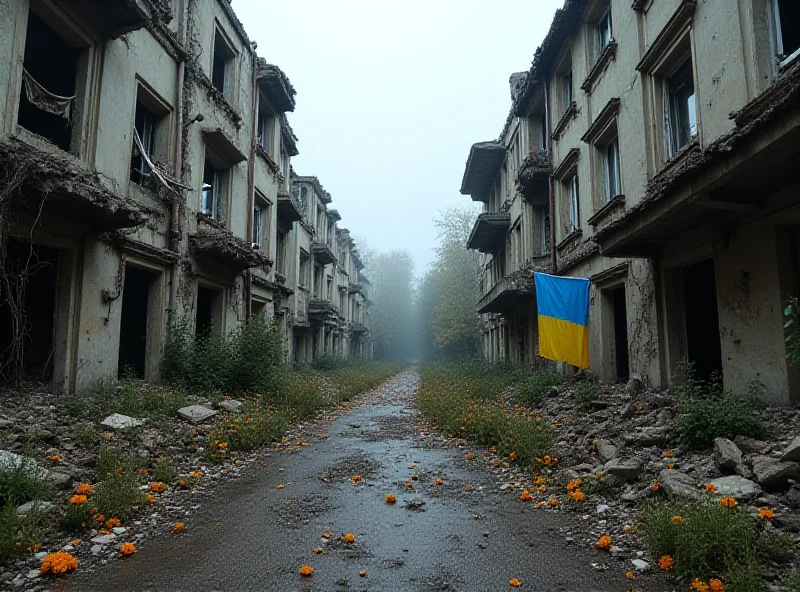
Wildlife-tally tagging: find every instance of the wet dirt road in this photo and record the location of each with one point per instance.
(250, 538)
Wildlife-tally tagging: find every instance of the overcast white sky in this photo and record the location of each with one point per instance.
(390, 97)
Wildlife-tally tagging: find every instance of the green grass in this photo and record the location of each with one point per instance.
(22, 483)
(17, 533)
(118, 492)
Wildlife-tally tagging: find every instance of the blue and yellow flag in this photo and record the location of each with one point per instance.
(563, 307)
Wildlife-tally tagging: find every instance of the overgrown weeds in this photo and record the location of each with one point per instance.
(18, 534)
(118, 492)
(22, 482)
(463, 398)
(351, 377)
(706, 411)
(585, 392)
(163, 470)
(131, 397)
(707, 540)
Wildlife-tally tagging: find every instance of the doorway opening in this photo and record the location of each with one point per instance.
(133, 331)
(622, 369)
(32, 271)
(209, 311)
(701, 321)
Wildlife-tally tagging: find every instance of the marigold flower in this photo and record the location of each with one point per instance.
(306, 570)
(356, 478)
(75, 542)
(391, 498)
(577, 495)
(106, 437)
(281, 486)
(438, 481)
(468, 488)
(710, 488)
(512, 456)
(196, 474)
(77, 500)
(628, 528)
(223, 446)
(514, 583)
(470, 455)
(326, 535)
(58, 563)
(349, 538)
(55, 458)
(716, 585)
(655, 486)
(100, 518)
(538, 504)
(700, 586)
(151, 498)
(179, 527)
(766, 513)
(554, 503)
(676, 519)
(604, 542)
(525, 496)
(668, 454)
(671, 466)
(158, 487)
(573, 485)
(629, 575)
(666, 563)
(85, 489)
(127, 549)
(112, 522)
(318, 550)
(728, 502)
(597, 475)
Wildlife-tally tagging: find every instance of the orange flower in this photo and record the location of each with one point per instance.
(356, 479)
(766, 513)
(77, 500)
(700, 586)
(318, 550)
(158, 487)
(223, 446)
(470, 455)
(438, 481)
(710, 488)
(326, 535)
(577, 495)
(85, 489)
(525, 496)
(58, 563)
(573, 485)
(179, 527)
(349, 538)
(55, 458)
(281, 486)
(514, 583)
(513, 456)
(627, 528)
(111, 523)
(728, 502)
(554, 503)
(468, 488)
(151, 498)
(127, 549)
(306, 571)
(106, 437)
(629, 575)
(671, 466)
(668, 454)
(716, 585)
(676, 519)
(100, 518)
(604, 542)
(655, 486)
(391, 498)
(666, 563)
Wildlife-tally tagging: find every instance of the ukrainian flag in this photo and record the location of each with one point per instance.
(563, 307)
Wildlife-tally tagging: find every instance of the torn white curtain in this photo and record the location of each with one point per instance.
(162, 178)
(44, 99)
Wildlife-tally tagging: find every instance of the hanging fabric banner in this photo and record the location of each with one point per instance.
(45, 100)
(563, 311)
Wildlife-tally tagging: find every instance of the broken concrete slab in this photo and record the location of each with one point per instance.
(117, 421)
(771, 472)
(104, 539)
(792, 452)
(679, 485)
(230, 405)
(196, 413)
(737, 487)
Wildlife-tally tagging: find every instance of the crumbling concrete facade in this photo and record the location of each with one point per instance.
(656, 141)
(145, 173)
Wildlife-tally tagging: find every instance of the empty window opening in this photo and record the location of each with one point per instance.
(701, 322)
(213, 194)
(566, 90)
(543, 133)
(787, 17)
(33, 274)
(604, 33)
(208, 311)
(144, 123)
(574, 220)
(222, 64)
(280, 255)
(620, 334)
(259, 307)
(266, 127)
(47, 101)
(305, 264)
(258, 227)
(682, 108)
(134, 322)
(544, 243)
(612, 173)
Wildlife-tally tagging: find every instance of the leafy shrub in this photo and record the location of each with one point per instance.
(118, 492)
(76, 517)
(18, 534)
(253, 428)
(22, 483)
(710, 540)
(585, 392)
(463, 398)
(163, 470)
(706, 411)
(533, 388)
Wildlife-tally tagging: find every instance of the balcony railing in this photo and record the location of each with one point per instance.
(323, 253)
(532, 180)
(489, 232)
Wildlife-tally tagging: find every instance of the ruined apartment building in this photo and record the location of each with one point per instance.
(146, 172)
(652, 147)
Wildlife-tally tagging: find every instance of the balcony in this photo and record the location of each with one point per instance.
(323, 253)
(533, 178)
(508, 293)
(358, 328)
(489, 232)
(276, 86)
(72, 192)
(356, 289)
(288, 209)
(483, 164)
(323, 312)
(113, 18)
(229, 250)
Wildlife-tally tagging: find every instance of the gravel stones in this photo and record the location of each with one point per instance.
(728, 458)
(117, 421)
(196, 413)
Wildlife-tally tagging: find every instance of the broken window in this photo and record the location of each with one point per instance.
(682, 107)
(787, 17)
(145, 125)
(603, 33)
(304, 269)
(213, 194)
(611, 169)
(543, 133)
(574, 204)
(261, 222)
(266, 126)
(280, 255)
(566, 90)
(222, 66)
(544, 246)
(50, 70)
(330, 290)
